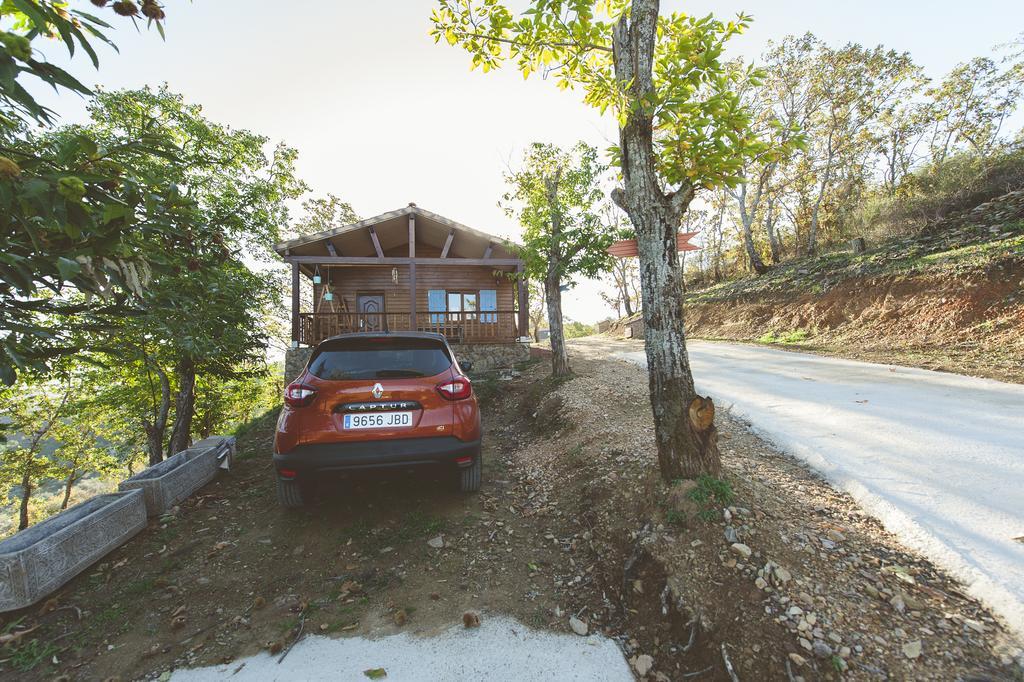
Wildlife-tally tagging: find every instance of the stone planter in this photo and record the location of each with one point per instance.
(41, 558)
(176, 478)
(226, 446)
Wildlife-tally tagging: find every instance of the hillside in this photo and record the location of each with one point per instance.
(949, 298)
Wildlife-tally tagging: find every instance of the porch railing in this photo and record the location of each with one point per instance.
(498, 326)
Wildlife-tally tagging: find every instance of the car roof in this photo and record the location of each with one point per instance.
(395, 335)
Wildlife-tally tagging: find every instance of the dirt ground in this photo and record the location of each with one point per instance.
(572, 521)
(231, 573)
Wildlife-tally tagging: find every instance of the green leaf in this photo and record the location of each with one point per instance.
(114, 211)
(376, 673)
(68, 268)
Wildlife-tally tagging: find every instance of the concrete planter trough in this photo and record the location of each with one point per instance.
(226, 447)
(176, 478)
(38, 560)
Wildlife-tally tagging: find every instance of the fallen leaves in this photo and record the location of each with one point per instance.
(376, 673)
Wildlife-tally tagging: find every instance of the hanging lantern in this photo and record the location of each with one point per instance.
(394, 275)
(316, 276)
(328, 296)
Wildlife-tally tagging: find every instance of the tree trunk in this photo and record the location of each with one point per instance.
(753, 257)
(620, 272)
(553, 281)
(553, 300)
(682, 451)
(812, 230)
(68, 483)
(773, 237)
(26, 495)
(155, 430)
(184, 406)
(747, 221)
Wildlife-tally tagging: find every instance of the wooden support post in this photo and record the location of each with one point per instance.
(331, 250)
(524, 302)
(412, 271)
(295, 304)
(487, 253)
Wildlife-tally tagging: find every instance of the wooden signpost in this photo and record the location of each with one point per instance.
(626, 248)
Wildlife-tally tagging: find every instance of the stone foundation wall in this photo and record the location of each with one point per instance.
(492, 356)
(484, 356)
(294, 361)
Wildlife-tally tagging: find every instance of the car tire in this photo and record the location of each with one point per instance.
(469, 478)
(290, 493)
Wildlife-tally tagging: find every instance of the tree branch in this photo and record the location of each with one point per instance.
(583, 47)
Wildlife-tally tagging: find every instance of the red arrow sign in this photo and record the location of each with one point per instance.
(625, 248)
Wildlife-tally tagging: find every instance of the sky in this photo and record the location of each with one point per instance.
(381, 116)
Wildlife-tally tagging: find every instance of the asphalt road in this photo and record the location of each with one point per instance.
(938, 458)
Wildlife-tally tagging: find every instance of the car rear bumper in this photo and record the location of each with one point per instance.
(378, 454)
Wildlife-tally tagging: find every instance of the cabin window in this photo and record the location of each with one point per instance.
(488, 301)
(463, 302)
(436, 305)
(441, 303)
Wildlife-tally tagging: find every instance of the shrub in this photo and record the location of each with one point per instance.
(937, 190)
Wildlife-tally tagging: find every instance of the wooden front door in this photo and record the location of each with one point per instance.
(371, 312)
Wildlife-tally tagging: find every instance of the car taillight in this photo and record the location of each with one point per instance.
(456, 389)
(299, 395)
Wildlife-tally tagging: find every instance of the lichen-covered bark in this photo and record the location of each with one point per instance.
(656, 217)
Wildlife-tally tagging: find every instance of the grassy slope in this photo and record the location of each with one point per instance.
(948, 299)
(957, 250)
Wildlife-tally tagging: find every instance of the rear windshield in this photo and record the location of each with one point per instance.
(380, 358)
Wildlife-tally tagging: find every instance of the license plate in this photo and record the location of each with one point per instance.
(378, 420)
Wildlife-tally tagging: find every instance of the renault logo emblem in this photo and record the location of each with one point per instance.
(377, 391)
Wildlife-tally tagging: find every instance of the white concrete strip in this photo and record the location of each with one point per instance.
(938, 458)
(500, 650)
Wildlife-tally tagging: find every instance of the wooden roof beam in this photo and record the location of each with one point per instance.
(371, 260)
(376, 242)
(448, 243)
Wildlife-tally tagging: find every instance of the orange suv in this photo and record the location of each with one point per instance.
(374, 401)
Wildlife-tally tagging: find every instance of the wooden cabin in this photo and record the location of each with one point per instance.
(408, 269)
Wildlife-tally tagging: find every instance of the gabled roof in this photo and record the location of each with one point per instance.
(391, 229)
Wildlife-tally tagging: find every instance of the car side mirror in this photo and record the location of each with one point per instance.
(466, 365)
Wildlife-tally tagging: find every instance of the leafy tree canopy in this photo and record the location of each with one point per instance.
(701, 128)
(323, 213)
(69, 218)
(555, 197)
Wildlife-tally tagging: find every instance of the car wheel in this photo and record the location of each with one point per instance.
(469, 478)
(290, 493)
